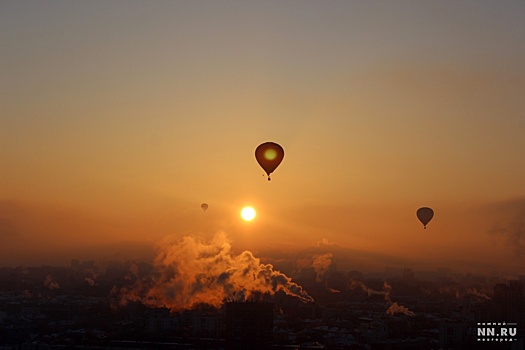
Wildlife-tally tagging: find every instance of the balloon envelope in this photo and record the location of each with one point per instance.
(204, 206)
(424, 215)
(269, 155)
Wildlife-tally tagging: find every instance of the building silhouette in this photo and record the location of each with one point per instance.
(249, 325)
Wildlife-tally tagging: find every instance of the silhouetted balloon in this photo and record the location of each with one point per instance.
(424, 215)
(204, 206)
(269, 155)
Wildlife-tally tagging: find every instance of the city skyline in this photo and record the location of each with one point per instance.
(105, 306)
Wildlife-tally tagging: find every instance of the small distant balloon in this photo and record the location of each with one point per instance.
(424, 215)
(204, 207)
(269, 155)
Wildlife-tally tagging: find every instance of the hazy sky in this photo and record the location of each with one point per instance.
(119, 118)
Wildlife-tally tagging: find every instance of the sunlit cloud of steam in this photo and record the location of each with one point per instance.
(478, 294)
(92, 275)
(354, 284)
(326, 243)
(460, 292)
(388, 290)
(192, 272)
(50, 283)
(320, 264)
(394, 307)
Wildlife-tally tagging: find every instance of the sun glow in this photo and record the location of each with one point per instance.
(248, 213)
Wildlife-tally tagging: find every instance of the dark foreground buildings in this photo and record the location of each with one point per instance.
(249, 325)
(51, 308)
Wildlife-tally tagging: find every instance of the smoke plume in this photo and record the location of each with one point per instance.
(50, 283)
(460, 291)
(354, 284)
(393, 308)
(92, 275)
(192, 272)
(320, 264)
(474, 292)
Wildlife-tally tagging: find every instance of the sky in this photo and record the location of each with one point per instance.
(118, 119)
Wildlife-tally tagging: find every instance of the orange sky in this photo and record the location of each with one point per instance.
(118, 119)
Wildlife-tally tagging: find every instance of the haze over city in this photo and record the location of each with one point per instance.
(118, 119)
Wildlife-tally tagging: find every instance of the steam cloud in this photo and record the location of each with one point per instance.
(478, 294)
(369, 291)
(394, 307)
(320, 264)
(50, 283)
(460, 292)
(192, 272)
(93, 274)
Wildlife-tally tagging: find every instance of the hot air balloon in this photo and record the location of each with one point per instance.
(269, 155)
(424, 215)
(204, 206)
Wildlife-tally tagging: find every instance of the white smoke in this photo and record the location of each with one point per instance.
(320, 264)
(50, 283)
(393, 307)
(190, 272)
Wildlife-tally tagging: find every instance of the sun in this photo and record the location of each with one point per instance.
(248, 213)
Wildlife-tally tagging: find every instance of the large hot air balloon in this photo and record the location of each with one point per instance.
(204, 206)
(269, 155)
(424, 215)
